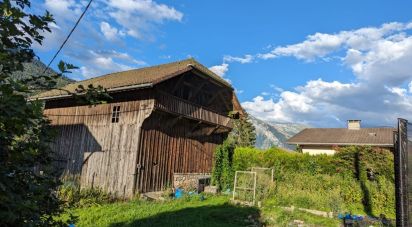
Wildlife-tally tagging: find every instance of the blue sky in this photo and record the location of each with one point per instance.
(312, 62)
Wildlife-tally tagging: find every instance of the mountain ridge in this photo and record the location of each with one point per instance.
(269, 134)
(36, 68)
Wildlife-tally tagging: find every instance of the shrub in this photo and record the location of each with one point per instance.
(357, 179)
(322, 192)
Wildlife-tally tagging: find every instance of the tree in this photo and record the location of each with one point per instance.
(243, 132)
(27, 179)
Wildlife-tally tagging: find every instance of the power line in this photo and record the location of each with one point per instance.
(68, 36)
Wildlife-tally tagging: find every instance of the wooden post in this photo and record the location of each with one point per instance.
(272, 174)
(234, 186)
(254, 189)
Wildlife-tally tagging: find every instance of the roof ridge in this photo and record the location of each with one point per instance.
(151, 67)
(129, 70)
(149, 74)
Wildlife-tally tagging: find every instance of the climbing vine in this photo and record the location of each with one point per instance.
(222, 175)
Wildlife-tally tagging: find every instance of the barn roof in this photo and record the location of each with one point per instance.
(343, 136)
(143, 77)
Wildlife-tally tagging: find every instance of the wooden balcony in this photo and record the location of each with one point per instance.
(181, 107)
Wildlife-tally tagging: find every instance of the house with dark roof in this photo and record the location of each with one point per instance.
(324, 140)
(162, 120)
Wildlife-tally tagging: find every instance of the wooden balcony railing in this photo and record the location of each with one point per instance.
(178, 106)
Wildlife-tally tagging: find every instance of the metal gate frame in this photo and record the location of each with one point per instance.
(235, 187)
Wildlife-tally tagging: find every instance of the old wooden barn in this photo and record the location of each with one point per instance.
(162, 120)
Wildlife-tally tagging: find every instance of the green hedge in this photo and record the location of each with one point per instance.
(356, 179)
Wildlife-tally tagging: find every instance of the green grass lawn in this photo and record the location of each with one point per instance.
(213, 211)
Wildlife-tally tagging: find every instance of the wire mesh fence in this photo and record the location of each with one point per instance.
(252, 186)
(244, 187)
(264, 171)
(264, 182)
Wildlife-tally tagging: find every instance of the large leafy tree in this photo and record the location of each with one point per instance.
(27, 180)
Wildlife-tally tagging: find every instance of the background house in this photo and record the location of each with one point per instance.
(323, 140)
(162, 120)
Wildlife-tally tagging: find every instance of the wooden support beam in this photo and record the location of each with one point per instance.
(192, 131)
(227, 105)
(197, 90)
(178, 84)
(174, 121)
(189, 84)
(214, 97)
(212, 130)
(196, 125)
(214, 81)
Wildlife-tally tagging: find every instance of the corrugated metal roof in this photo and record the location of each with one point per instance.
(343, 136)
(143, 76)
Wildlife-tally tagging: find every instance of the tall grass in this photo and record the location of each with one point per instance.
(72, 195)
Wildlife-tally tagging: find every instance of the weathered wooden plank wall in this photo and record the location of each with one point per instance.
(166, 149)
(162, 136)
(101, 152)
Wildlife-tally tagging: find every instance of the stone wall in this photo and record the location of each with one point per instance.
(191, 181)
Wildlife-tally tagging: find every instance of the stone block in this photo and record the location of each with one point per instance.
(211, 189)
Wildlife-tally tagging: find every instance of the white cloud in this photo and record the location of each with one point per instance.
(239, 91)
(266, 109)
(243, 60)
(66, 12)
(379, 58)
(98, 63)
(68, 9)
(119, 55)
(319, 45)
(138, 17)
(104, 29)
(315, 103)
(220, 69)
(397, 90)
(148, 8)
(276, 88)
(108, 31)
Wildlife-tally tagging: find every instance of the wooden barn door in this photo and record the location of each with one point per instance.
(155, 160)
(140, 165)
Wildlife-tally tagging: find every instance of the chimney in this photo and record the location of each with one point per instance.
(354, 124)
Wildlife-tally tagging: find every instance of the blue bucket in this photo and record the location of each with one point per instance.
(178, 193)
